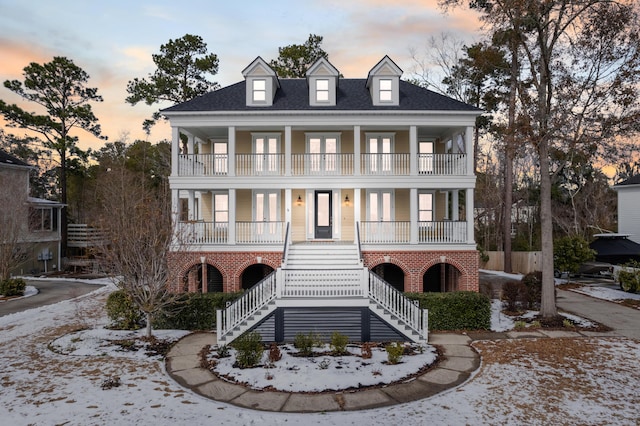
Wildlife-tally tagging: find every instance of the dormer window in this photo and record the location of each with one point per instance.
(322, 90)
(386, 90)
(383, 83)
(261, 83)
(322, 79)
(259, 90)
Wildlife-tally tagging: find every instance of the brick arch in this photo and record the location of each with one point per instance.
(237, 277)
(462, 279)
(190, 263)
(407, 279)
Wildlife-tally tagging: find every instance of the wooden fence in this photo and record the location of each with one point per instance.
(522, 262)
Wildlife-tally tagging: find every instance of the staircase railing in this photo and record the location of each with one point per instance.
(252, 301)
(358, 240)
(286, 244)
(399, 305)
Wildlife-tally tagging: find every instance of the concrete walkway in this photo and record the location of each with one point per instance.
(183, 365)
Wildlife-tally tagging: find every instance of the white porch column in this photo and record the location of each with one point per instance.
(231, 153)
(413, 150)
(288, 206)
(455, 208)
(356, 153)
(356, 207)
(232, 216)
(468, 146)
(190, 144)
(191, 215)
(287, 152)
(413, 215)
(175, 204)
(469, 215)
(175, 150)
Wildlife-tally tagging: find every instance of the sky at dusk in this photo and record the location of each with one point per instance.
(113, 41)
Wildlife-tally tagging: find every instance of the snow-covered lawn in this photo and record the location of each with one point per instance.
(523, 381)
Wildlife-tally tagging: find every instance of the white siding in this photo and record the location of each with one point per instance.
(629, 211)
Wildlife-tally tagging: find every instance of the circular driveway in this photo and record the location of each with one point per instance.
(49, 292)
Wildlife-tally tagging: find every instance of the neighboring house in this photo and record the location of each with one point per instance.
(629, 207)
(321, 196)
(39, 220)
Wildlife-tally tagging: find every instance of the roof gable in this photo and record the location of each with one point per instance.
(386, 67)
(8, 159)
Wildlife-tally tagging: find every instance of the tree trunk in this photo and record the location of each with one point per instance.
(64, 209)
(148, 330)
(548, 306)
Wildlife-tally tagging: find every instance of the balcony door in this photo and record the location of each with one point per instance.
(266, 213)
(380, 213)
(323, 214)
(323, 152)
(266, 150)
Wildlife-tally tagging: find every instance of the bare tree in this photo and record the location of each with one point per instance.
(139, 223)
(14, 217)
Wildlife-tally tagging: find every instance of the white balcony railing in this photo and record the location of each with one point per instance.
(200, 232)
(398, 164)
(322, 164)
(447, 232)
(323, 283)
(442, 164)
(203, 164)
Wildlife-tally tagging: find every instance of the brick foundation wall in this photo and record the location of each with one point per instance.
(413, 263)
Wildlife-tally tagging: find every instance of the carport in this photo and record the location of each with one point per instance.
(615, 248)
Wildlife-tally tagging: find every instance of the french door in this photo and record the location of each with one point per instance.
(380, 213)
(266, 213)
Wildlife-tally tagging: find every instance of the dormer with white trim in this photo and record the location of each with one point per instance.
(262, 83)
(383, 83)
(322, 78)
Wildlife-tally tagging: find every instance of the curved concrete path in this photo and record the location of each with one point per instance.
(459, 361)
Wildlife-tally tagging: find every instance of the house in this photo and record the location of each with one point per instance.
(35, 222)
(629, 207)
(324, 198)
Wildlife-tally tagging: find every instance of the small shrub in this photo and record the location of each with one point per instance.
(366, 350)
(222, 351)
(533, 283)
(274, 353)
(249, 349)
(194, 311)
(305, 343)
(519, 325)
(515, 294)
(460, 310)
(122, 312)
(536, 324)
(629, 277)
(338, 343)
(567, 323)
(12, 287)
(570, 252)
(394, 352)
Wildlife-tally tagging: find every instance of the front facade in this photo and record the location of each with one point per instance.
(629, 207)
(267, 166)
(32, 225)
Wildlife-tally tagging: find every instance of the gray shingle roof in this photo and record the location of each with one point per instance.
(293, 95)
(635, 180)
(6, 158)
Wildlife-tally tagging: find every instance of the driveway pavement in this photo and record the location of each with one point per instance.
(49, 292)
(624, 321)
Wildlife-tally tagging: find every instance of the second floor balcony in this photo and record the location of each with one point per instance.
(397, 164)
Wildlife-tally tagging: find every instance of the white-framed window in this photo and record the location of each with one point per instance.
(220, 157)
(42, 219)
(425, 157)
(379, 153)
(266, 148)
(259, 90)
(425, 206)
(323, 151)
(322, 90)
(220, 209)
(386, 90)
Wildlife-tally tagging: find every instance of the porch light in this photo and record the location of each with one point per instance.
(346, 200)
(299, 201)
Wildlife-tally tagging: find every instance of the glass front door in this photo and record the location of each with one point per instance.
(323, 214)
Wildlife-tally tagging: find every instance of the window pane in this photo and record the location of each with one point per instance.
(322, 84)
(385, 84)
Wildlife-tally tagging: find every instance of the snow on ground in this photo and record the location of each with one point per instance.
(292, 373)
(574, 381)
(606, 293)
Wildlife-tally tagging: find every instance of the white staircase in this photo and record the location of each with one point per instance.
(322, 275)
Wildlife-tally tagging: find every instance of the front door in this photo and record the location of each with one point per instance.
(323, 214)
